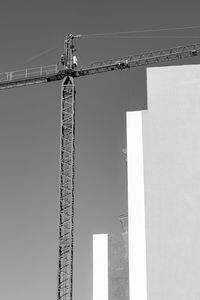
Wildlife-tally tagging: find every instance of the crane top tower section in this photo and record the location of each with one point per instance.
(68, 59)
(68, 65)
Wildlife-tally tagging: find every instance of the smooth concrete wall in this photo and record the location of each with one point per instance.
(118, 269)
(136, 209)
(171, 145)
(100, 267)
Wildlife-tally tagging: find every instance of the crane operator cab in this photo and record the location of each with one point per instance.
(74, 61)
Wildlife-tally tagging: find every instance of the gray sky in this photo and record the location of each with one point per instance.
(29, 132)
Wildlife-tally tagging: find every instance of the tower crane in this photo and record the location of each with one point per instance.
(66, 71)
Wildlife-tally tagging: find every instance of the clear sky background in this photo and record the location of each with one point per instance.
(30, 128)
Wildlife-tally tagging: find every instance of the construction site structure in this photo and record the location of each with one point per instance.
(66, 71)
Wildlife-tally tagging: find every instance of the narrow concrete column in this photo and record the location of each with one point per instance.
(100, 267)
(136, 211)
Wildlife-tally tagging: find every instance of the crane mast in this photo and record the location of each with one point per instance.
(67, 150)
(66, 224)
(67, 71)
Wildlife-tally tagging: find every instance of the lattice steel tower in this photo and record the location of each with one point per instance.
(66, 224)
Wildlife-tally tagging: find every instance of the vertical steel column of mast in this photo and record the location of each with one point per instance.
(66, 223)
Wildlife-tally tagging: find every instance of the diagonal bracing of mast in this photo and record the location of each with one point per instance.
(66, 224)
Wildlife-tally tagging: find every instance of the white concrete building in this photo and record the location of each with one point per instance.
(163, 145)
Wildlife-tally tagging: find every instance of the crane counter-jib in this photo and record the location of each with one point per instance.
(27, 76)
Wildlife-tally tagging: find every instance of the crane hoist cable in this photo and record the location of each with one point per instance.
(150, 37)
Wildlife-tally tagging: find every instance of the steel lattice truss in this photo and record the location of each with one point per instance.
(53, 73)
(65, 260)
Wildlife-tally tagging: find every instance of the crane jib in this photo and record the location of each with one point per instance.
(53, 73)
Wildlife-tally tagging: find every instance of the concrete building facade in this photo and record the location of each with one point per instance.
(118, 266)
(171, 144)
(163, 146)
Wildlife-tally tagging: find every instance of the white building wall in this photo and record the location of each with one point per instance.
(171, 139)
(100, 267)
(136, 211)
